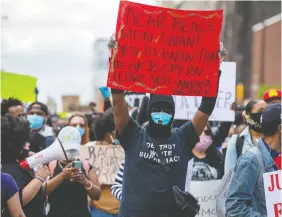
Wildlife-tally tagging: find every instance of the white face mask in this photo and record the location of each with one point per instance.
(72, 154)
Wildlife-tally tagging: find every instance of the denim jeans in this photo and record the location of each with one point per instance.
(99, 213)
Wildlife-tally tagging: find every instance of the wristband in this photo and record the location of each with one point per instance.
(208, 103)
(40, 179)
(115, 91)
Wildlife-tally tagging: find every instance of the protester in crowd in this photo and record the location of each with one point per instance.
(53, 121)
(116, 188)
(42, 135)
(272, 96)
(10, 200)
(14, 135)
(79, 121)
(208, 161)
(239, 143)
(12, 106)
(236, 127)
(246, 195)
(147, 183)
(104, 129)
(69, 188)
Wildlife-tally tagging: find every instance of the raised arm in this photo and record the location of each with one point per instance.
(203, 113)
(120, 110)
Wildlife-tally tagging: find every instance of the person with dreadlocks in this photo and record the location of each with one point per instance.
(12, 106)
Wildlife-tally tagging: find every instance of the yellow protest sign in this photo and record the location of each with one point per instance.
(19, 86)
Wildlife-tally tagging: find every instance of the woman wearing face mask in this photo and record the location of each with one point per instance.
(208, 161)
(71, 184)
(79, 121)
(239, 144)
(104, 129)
(14, 135)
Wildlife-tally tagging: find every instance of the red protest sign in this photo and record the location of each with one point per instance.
(166, 51)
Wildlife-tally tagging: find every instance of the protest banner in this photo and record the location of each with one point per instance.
(166, 51)
(273, 193)
(17, 85)
(186, 106)
(106, 159)
(204, 191)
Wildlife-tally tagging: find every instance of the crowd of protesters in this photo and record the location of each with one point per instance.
(160, 154)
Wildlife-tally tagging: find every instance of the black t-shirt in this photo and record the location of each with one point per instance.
(35, 208)
(146, 186)
(69, 199)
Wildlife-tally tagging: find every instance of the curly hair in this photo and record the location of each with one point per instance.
(15, 133)
(7, 103)
(104, 124)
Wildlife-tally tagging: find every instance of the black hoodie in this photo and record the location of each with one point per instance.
(156, 130)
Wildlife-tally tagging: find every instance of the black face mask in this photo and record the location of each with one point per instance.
(253, 120)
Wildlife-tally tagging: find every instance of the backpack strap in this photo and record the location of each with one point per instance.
(239, 145)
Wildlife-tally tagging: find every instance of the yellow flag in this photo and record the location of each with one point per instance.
(20, 86)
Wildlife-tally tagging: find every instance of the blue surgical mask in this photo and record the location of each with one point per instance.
(80, 130)
(161, 116)
(36, 121)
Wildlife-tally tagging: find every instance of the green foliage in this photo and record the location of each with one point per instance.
(263, 88)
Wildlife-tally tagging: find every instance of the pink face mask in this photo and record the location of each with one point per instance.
(204, 144)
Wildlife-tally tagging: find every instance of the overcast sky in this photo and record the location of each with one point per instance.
(53, 41)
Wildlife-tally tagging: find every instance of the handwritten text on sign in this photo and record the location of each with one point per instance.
(186, 106)
(204, 192)
(166, 51)
(273, 192)
(106, 159)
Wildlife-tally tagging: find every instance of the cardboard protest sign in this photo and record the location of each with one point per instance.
(204, 191)
(166, 51)
(106, 159)
(186, 106)
(273, 193)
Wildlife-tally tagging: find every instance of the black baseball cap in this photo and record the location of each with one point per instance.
(38, 105)
(271, 114)
(271, 119)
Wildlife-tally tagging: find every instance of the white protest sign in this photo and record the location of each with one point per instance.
(134, 100)
(186, 106)
(105, 158)
(273, 193)
(204, 191)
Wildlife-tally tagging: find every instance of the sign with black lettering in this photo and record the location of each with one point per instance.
(186, 106)
(105, 158)
(204, 191)
(166, 51)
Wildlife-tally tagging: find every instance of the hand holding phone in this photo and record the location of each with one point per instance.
(77, 164)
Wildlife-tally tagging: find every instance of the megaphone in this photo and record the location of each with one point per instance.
(65, 147)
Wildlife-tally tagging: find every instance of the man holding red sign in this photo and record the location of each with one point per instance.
(156, 157)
